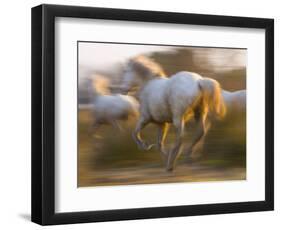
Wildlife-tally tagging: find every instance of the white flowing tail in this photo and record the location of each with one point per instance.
(212, 96)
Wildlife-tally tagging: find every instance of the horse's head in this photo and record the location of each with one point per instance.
(138, 71)
(131, 79)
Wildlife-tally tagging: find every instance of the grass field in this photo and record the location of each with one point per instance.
(108, 156)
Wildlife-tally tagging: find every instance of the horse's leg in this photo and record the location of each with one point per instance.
(142, 122)
(196, 151)
(175, 152)
(162, 134)
(116, 125)
(200, 133)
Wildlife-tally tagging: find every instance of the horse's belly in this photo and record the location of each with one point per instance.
(154, 102)
(161, 119)
(160, 113)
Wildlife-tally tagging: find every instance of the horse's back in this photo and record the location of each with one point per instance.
(183, 91)
(162, 99)
(241, 94)
(185, 82)
(187, 75)
(240, 99)
(235, 100)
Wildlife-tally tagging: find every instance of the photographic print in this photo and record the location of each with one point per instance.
(150, 114)
(130, 106)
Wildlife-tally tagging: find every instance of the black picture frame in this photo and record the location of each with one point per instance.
(43, 114)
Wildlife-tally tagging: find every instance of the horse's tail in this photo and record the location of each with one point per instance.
(212, 96)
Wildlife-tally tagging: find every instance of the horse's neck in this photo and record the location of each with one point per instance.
(150, 79)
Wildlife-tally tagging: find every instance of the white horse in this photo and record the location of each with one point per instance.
(107, 108)
(235, 101)
(172, 100)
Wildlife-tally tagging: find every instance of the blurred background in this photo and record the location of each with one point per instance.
(110, 157)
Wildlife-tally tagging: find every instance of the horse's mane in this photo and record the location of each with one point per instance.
(99, 84)
(146, 66)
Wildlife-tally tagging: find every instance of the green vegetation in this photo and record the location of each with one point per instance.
(108, 156)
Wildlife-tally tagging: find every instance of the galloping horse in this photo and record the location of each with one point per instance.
(109, 108)
(235, 100)
(173, 100)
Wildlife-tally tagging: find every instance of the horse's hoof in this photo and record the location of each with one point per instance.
(147, 146)
(150, 146)
(170, 169)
